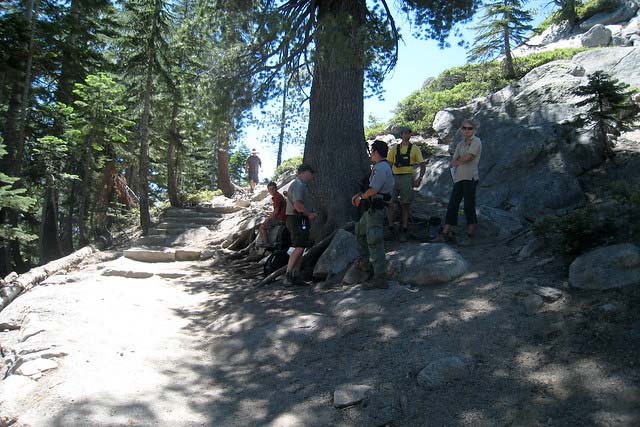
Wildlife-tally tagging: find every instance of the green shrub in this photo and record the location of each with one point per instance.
(287, 167)
(457, 86)
(572, 234)
(374, 129)
(592, 7)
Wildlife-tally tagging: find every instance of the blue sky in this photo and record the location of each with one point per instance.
(417, 61)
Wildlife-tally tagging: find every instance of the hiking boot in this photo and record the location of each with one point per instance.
(290, 280)
(378, 282)
(403, 235)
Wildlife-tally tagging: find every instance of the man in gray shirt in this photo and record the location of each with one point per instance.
(300, 214)
(370, 229)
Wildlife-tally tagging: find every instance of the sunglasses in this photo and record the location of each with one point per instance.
(467, 128)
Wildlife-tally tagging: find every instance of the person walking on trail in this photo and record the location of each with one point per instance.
(253, 166)
(370, 229)
(277, 216)
(300, 215)
(404, 157)
(464, 170)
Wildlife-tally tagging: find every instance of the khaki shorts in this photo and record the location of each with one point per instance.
(404, 188)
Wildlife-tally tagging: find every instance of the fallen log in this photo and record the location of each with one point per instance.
(36, 275)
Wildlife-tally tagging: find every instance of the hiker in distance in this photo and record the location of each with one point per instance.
(464, 170)
(278, 214)
(404, 157)
(300, 215)
(253, 166)
(370, 229)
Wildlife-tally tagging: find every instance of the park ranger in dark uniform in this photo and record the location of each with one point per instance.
(370, 228)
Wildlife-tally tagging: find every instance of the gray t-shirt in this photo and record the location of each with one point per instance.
(381, 178)
(299, 190)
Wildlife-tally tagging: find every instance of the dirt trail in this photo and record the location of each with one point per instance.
(210, 349)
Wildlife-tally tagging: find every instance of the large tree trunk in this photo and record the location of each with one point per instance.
(104, 197)
(49, 243)
(143, 172)
(224, 179)
(172, 160)
(87, 181)
(335, 143)
(510, 70)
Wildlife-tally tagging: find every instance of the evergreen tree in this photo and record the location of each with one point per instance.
(610, 107)
(14, 198)
(144, 51)
(348, 44)
(504, 24)
(567, 11)
(101, 128)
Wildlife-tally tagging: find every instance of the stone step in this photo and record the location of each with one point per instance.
(189, 215)
(173, 225)
(154, 240)
(166, 255)
(202, 211)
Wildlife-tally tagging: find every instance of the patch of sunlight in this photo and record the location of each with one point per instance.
(596, 380)
(473, 417)
(556, 378)
(610, 418)
(387, 333)
(474, 307)
(287, 420)
(472, 275)
(528, 359)
(231, 323)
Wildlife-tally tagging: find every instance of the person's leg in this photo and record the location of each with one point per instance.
(406, 208)
(469, 194)
(454, 204)
(451, 218)
(391, 211)
(375, 241)
(361, 238)
(263, 234)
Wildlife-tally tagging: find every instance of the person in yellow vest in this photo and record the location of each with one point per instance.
(404, 157)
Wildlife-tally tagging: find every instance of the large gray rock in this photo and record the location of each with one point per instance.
(341, 252)
(427, 264)
(533, 145)
(597, 36)
(608, 267)
(624, 12)
(621, 63)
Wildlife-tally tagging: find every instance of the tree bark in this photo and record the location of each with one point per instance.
(335, 143)
(143, 158)
(104, 196)
(224, 179)
(49, 243)
(172, 160)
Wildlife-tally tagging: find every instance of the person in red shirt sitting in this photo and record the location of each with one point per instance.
(277, 216)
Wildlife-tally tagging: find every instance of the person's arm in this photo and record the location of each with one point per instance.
(462, 160)
(299, 206)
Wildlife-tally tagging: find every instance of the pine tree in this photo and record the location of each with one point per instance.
(610, 107)
(504, 24)
(14, 198)
(144, 51)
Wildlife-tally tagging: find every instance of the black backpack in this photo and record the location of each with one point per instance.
(402, 160)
